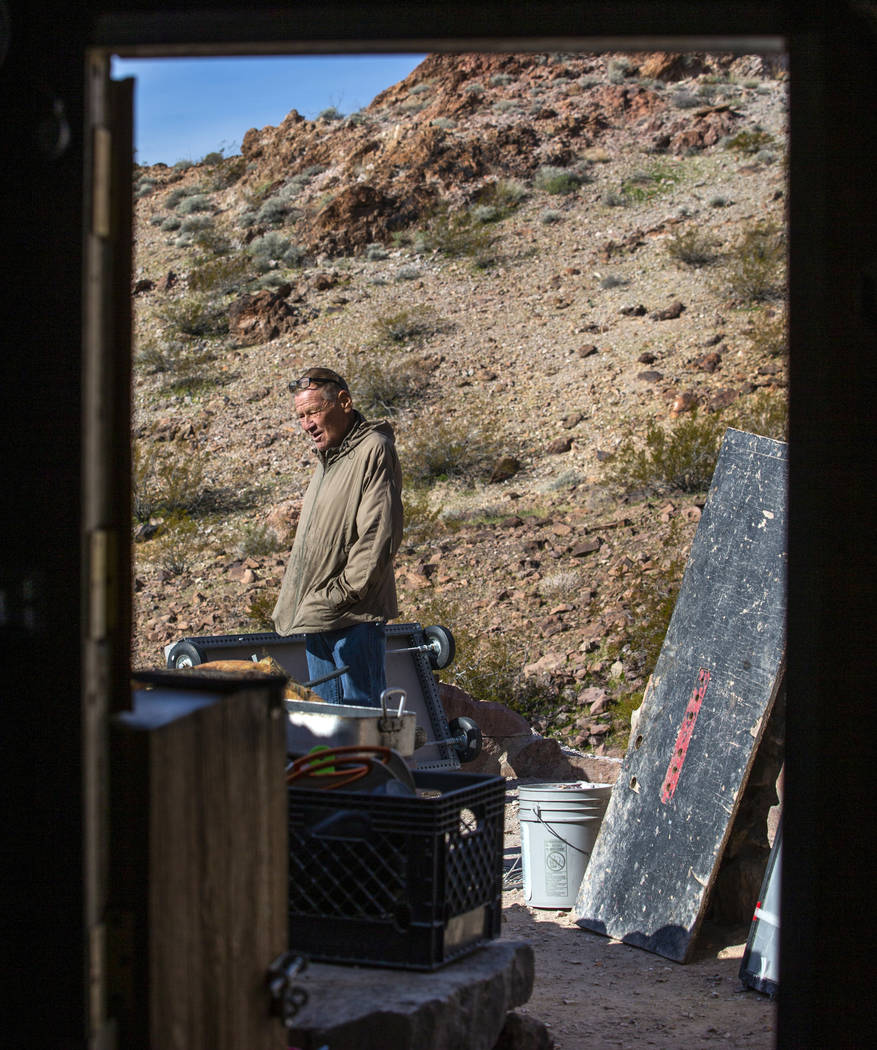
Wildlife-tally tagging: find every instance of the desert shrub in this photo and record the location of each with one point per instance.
(260, 609)
(273, 211)
(376, 253)
(506, 193)
(171, 223)
(271, 279)
(765, 413)
(756, 266)
(562, 482)
(770, 334)
(179, 194)
(212, 159)
(165, 483)
(256, 193)
(156, 219)
(618, 70)
(506, 105)
(180, 477)
(408, 273)
(646, 185)
(552, 179)
(485, 213)
(176, 543)
(383, 384)
(246, 219)
(196, 315)
(330, 113)
(183, 164)
(156, 356)
(220, 275)
(272, 249)
(257, 541)
(456, 236)
(651, 610)
(612, 280)
(196, 202)
(683, 459)
(195, 223)
(489, 667)
(143, 188)
(500, 80)
(183, 360)
(497, 200)
(749, 142)
(227, 172)
(445, 123)
(613, 199)
(421, 519)
(694, 247)
(451, 448)
(563, 584)
(549, 216)
(683, 99)
(719, 201)
(210, 242)
(409, 325)
(142, 474)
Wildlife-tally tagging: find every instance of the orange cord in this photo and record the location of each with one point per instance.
(323, 763)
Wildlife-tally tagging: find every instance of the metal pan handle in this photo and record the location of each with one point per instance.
(386, 694)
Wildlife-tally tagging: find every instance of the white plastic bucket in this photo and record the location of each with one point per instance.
(559, 825)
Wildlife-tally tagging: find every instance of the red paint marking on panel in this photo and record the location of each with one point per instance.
(683, 739)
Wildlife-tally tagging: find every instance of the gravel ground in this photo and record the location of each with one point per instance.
(593, 991)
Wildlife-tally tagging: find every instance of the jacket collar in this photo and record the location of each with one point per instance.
(351, 439)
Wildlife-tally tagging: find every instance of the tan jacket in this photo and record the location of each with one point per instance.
(340, 571)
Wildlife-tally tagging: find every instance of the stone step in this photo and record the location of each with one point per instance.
(461, 1006)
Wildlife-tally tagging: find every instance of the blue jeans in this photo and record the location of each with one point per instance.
(362, 649)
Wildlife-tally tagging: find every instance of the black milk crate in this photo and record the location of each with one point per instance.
(399, 881)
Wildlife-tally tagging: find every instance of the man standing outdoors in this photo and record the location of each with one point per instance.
(339, 588)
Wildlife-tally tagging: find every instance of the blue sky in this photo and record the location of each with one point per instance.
(187, 107)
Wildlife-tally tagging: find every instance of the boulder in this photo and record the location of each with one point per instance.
(262, 316)
(494, 719)
(522, 1032)
(282, 520)
(511, 748)
(462, 1005)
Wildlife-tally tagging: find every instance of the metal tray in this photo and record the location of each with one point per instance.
(312, 724)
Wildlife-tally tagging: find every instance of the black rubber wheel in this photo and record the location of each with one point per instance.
(184, 654)
(470, 747)
(441, 646)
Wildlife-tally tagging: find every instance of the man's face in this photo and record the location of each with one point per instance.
(326, 423)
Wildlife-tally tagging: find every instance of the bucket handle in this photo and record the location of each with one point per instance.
(537, 812)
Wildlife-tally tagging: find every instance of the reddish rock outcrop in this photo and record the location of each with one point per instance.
(262, 316)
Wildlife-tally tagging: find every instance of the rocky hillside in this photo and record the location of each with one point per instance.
(561, 276)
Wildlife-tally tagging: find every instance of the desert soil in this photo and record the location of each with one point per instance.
(592, 991)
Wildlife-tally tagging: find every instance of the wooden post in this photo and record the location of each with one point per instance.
(198, 864)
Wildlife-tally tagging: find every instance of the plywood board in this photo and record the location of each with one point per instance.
(719, 670)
